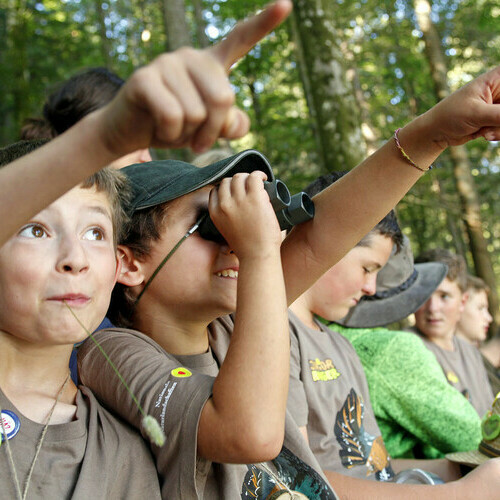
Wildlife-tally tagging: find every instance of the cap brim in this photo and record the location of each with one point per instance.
(173, 178)
(472, 458)
(380, 312)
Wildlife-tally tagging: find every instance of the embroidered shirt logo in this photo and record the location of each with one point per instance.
(181, 372)
(452, 377)
(323, 371)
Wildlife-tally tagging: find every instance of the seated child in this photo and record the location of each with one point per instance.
(57, 441)
(419, 414)
(436, 324)
(212, 416)
(328, 396)
(475, 320)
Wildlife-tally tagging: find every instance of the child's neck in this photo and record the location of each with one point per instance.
(302, 310)
(178, 336)
(446, 343)
(31, 377)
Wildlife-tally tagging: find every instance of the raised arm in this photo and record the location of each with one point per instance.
(181, 99)
(352, 206)
(244, 420)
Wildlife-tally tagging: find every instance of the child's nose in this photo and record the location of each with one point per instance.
(226, 249)
(370, 286)
(72, 257)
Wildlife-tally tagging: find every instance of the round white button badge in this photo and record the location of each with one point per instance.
(11, 424)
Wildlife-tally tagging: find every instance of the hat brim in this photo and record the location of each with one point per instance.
(382, 311)
(158, 182)
(471, 458)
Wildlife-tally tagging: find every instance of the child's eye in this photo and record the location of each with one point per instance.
(94, 234)
(33, 231)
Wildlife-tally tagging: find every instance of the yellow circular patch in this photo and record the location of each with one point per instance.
(452, 377)
(181, 372)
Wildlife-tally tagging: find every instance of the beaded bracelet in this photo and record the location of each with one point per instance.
(405, 155)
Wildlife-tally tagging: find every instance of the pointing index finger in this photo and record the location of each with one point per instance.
(246, 34)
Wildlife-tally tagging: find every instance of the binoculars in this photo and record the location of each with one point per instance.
(290, 210)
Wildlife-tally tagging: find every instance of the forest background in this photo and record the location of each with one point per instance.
(323, 91)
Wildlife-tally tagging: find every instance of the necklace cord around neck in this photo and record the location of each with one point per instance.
(22, 495)
(164, 261)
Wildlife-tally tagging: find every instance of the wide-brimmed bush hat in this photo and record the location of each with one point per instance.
(402, 287)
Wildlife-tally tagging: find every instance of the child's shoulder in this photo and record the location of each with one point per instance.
(119, 340)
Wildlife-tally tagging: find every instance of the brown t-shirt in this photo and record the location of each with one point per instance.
(94, 456)
(174, 390)
(329, 395)
(464, 370)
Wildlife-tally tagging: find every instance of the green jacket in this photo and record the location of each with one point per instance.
(419, 414)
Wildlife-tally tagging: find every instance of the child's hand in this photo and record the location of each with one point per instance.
(470, 112)
(242, 212)
(184, 98)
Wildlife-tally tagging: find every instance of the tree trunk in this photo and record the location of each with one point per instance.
(105, 45)
(330, 95)
(176, 27)
(201, 36)
(461, 168)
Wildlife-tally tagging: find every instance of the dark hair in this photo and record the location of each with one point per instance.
(388, 226)
(457, 269)
(143, 228)
(14, 151)
(75, 98)
(110, 181)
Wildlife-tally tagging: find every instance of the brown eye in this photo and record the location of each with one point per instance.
(37, 232)
(94, 234)
(33, 231)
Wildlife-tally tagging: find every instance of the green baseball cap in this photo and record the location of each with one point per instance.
(157, 182)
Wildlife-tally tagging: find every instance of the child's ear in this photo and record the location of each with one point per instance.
(465, 298)
(130, 272)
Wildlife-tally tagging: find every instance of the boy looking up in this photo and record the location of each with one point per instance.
(436, 323)
(65, 256)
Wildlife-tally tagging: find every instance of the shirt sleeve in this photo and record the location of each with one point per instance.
(297, 399)
(165, 389)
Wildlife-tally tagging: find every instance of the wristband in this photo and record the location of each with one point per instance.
(405, 155)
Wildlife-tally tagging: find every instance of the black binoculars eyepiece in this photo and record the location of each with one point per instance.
(290, 210)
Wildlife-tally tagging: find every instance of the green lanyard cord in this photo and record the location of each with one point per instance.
(163, 262)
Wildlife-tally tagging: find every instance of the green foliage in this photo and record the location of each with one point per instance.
(43, 42)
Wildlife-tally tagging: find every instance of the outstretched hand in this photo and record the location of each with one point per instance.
(472, 111)
(184, 98)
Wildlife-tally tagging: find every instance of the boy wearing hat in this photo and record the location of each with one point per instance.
(214, 414)
(419, 413)
(436, 323)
